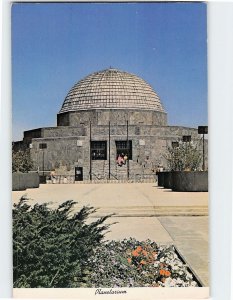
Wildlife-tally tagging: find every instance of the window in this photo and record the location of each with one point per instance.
(122, 149)
(186, 138)
(43, 146)
(175, 144)
(98, 150)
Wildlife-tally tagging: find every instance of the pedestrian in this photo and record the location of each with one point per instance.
(120, 160)
(125, 158)
(52, 175)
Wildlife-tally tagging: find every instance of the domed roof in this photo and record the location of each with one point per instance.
(111, 89)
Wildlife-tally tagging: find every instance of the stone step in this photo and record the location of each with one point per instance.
(151, 211)
(119, 180)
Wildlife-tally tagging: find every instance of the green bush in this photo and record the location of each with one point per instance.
(21, 160)
(185, 157)
(51, 247)
(56, 248)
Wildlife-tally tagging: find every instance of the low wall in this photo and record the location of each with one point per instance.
(160, 178)
(23, 181)
(182, 181)
(168, 180)
(196, 181)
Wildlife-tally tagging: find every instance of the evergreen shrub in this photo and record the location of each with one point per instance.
(51, 247)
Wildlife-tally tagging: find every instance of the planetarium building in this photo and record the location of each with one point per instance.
(112, 125)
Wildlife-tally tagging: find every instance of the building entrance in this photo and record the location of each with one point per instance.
(78, 174)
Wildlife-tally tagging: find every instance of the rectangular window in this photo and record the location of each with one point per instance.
(175, 144)
(99, 150)
(43, 146)
(123, 149)
(186, 138)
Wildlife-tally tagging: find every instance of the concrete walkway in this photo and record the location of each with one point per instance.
(190, 236)
(142, 211)
(137, 199)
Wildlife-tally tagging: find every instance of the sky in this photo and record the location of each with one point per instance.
(54, 45)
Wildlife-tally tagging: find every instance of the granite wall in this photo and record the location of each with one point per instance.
(68, 147)
(115, 116)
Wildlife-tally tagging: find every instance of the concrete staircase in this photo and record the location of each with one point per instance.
(137, 173)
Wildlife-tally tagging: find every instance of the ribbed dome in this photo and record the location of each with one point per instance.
(111, 89)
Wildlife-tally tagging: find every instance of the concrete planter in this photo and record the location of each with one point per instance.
(160, 178)
(191, 181)
(168, 180)
(23, 181)
(42, 179)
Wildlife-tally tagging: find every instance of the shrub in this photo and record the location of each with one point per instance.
(55, 248)
(21, 160)
(185, 157)
(51, 247)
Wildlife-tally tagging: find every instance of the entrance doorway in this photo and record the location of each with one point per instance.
(78, 173)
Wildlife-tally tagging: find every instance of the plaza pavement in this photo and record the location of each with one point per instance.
(142, 210)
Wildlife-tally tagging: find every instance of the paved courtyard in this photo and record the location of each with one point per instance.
(142, 210)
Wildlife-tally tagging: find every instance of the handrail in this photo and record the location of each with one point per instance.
(114, 176)
(96, 176)
(60, 178)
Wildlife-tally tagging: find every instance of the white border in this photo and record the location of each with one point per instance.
(220, 62)
(220, 41)
(5, 157)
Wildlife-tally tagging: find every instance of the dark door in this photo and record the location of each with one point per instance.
(78, 174)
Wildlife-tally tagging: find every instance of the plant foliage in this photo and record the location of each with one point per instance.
(21, 160)
(185, 157)
(130, 263)
(51, 247)
(56, 248)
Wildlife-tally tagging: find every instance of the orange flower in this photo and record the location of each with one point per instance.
(139, 249)
(129, 260)
(162, 272)
(144, 252)
(142, 262)
(135, 253)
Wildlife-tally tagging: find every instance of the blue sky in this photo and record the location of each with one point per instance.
(56, 45)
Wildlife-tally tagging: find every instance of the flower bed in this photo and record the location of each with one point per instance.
(130, 263)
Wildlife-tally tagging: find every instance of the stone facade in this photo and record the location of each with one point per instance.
(115, 116)
(69, 147)
(139, 117)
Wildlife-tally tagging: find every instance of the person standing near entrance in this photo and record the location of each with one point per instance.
(52, 175)
(120, 160)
